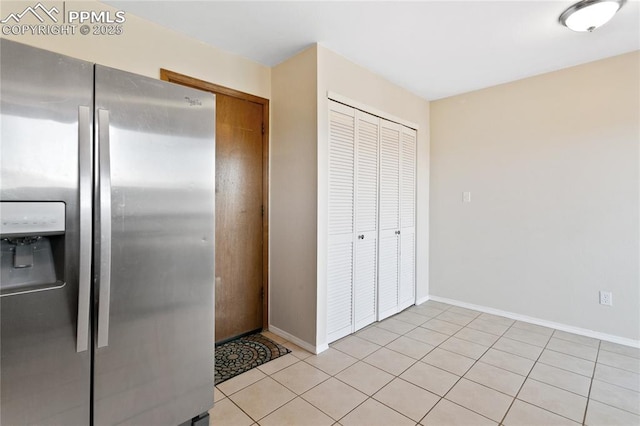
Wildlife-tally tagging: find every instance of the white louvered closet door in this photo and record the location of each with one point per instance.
(389, 224)
(408, 144)
(341, 221)
(366, 219)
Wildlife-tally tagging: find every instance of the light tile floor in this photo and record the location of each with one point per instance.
(437, 364)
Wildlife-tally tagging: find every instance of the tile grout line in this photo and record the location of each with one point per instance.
(358, 390)
(473, 365)
(525, 381)
(537, 361)
(617, 366)
(326, 372)
(247, 414)
(611, 384)
(415, 361)
(557, 387)
(436, 346)
(299, 395)
(475, 362)
(264, 378)
(457, 381)
(591, 377)
(564, 369)
(347, 384)
(368, 397)
(395, 377)
(593, 374)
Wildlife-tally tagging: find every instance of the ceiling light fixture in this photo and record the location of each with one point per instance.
(587, 15)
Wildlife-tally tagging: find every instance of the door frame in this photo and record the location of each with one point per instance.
(174, 77)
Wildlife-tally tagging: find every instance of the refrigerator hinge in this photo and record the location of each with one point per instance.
(201, 420)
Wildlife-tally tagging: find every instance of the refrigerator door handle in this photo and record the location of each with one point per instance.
(85, 184)
(104, 224)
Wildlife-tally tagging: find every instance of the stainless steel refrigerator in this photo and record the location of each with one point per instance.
(107, 232)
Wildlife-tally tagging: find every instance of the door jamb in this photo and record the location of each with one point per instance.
(185, 80)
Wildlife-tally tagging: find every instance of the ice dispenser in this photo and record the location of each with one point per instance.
(30, 233)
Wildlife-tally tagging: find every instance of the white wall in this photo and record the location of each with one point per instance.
(294, 175)
(552, 164)
(145, 47)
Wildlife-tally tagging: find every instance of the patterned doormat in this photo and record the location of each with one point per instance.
(243, 354)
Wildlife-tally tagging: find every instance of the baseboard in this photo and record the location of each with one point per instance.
(321, 348)
(564, 327)
(293, 339)
(422, 300)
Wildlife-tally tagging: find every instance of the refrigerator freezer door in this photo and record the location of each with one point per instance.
(154, 350)
(44, 379)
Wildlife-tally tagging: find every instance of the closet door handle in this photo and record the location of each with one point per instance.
(397, 232)
(361, 237)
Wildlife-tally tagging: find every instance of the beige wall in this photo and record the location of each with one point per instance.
(299, 197)
(145, 47)
(552, 166)
(338, 75)
(293, 206)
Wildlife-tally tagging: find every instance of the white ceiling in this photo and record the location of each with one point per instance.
(434, 49)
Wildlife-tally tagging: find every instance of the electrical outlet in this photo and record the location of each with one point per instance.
(606, 298)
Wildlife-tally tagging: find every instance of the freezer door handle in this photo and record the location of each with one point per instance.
(85, 184)
(104, 224)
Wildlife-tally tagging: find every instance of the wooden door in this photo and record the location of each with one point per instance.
(242, 158)
(239, 204)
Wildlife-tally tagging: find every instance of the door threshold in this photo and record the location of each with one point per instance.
(248, 333)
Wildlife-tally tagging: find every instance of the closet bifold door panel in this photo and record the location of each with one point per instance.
(407, 288)
(341, 215)
(389, 225)
(366, 219)
(371, 219)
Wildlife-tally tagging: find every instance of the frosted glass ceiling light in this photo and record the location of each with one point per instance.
(587, 15)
